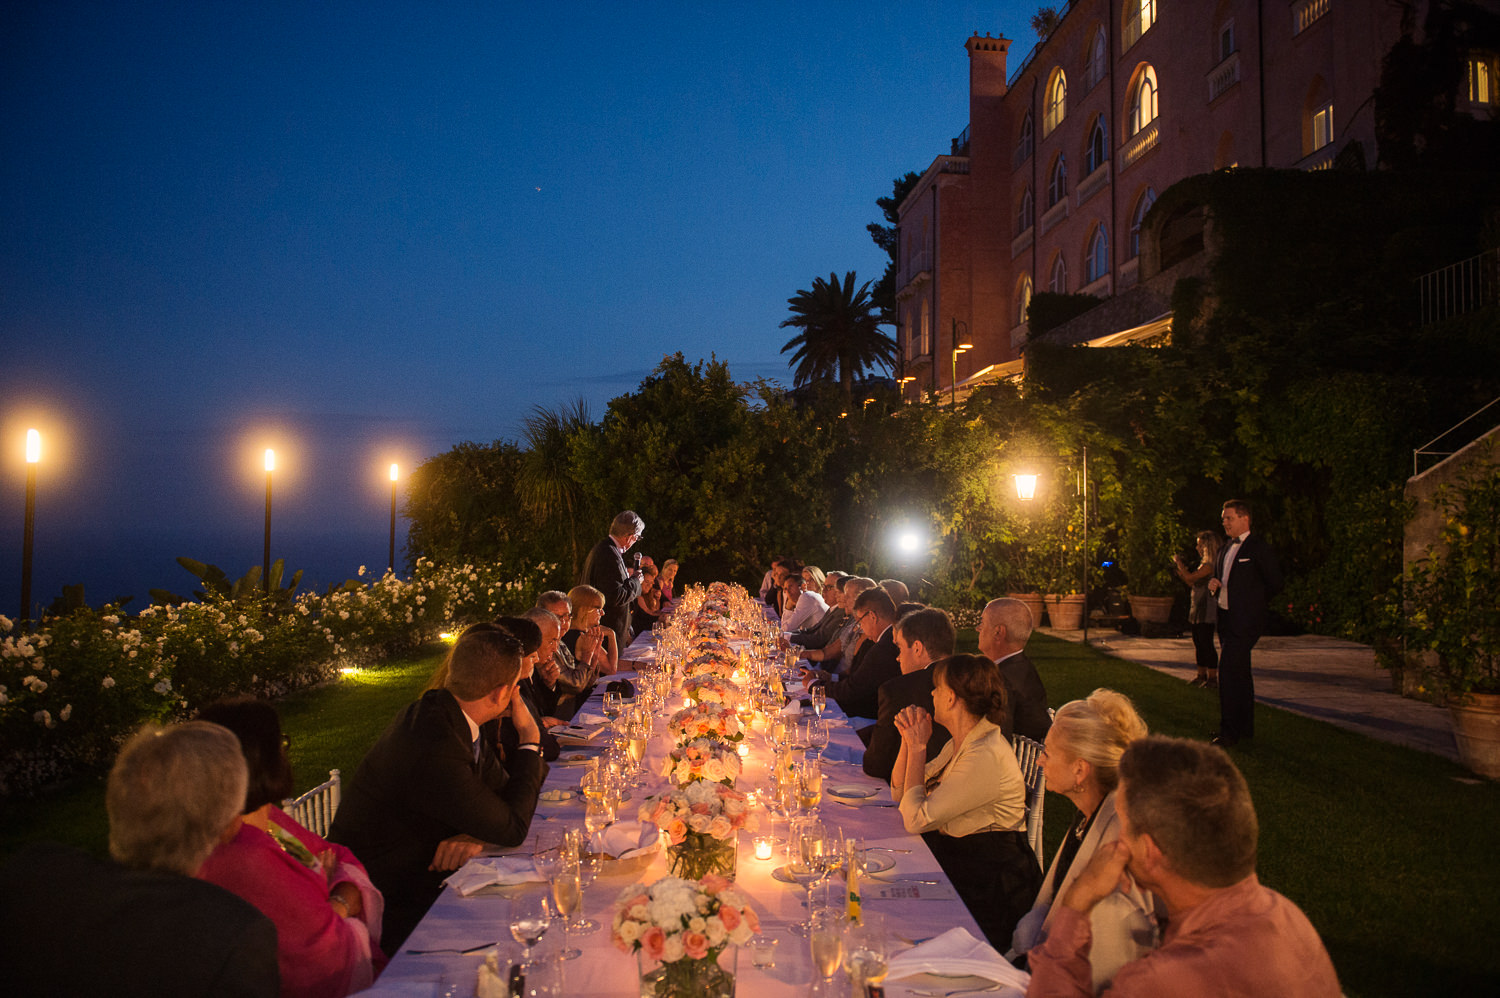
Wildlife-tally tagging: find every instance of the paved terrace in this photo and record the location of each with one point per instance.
(1319, 677)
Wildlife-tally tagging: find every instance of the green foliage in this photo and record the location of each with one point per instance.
(246, 589)
(886, 237)
(840, 333)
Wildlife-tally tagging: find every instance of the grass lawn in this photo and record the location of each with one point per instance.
(1388, 850)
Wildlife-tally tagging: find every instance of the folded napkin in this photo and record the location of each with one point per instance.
(956, 953)
(484, 871)
(792, 709)
(584, 719)
(625, 839)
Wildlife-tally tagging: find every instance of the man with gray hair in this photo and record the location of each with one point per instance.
(73, 924)
(1188, 835)
(605, 570)
(1004, 628)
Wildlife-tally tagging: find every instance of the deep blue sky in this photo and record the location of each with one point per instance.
(364, 232)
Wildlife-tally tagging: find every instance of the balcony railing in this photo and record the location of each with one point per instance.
(1093, 183)
(1225, 75)
(1460, 287)
(960, 145)
(1054, 215)
(1019, 244)
(1305, 13)
(1140, 143)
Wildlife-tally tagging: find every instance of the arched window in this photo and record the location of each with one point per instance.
(1317, 117)
(1025, 140)
(1096, 152)
(1026, 216)
(1057, 181)
(1093, 73)
(1057, 102)
(1143, 100)
(1096, 259)
(926, 340)
(1023, 300)
(1058, 285)
(1139, 16)
(1142, 205)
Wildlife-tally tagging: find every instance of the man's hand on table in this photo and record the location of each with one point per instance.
(455, 852)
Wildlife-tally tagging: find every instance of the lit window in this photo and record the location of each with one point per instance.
(1057, 183)
(1059, 283)
(926, 329)
(1057, 102)
(1094, 74)
(1096, 261)
(1322, 127)
(1094, 155)
(1227, 46)
(1023, 300)
(1143, 101)
(1142, 205)
(1023, 144)
(1027, 214)
(1139, 16)
(1481, 82)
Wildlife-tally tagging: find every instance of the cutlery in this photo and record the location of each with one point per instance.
(949, 994)
(904, 880)
(886, 849)
(471, 949)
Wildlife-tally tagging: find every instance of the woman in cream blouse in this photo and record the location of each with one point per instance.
(1081, 762)
(969, 803)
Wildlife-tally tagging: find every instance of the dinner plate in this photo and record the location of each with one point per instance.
(853, 791)
(877, 862)
(574, 759)
(556, 796)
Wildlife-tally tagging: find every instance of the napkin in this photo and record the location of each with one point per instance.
(792, 709)
(483, 871)
(493, 981)
(956, 953)
(583, 719)
(625, 839)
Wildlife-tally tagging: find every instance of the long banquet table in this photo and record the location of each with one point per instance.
(456, 922)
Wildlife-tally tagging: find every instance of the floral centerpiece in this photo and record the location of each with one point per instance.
(677, 929)
(712, 659)
(702, 759)
(705, 720)
(702, 822)
(710, 687)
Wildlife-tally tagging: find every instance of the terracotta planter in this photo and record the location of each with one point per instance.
(1065, 612)
(1476, 728)
(1033, 603)
(1151, 609)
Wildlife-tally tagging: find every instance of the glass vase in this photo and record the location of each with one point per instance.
(699, 855)
(711, 977)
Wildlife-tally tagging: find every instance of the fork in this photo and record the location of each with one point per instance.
(471, 949)
(949, 994)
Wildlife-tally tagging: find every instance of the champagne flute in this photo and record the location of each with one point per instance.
(865, 950)
(590, 865)
(808, 860)
(529, 919)
(810, 784)
(826, 942)
(819, 694)
(567, 895)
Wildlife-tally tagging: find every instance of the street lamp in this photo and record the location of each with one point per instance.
(1026, 491)
(265, 575)
(958, 348)
(33, 456)
(394, 474)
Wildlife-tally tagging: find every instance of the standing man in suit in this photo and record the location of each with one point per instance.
(605, 570)
(922, 637)
(1245, 579)
(431, 793)
(1004, 628)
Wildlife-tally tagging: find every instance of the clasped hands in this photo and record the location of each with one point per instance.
(914, 725)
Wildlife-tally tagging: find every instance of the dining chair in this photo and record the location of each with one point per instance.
(315, 809)
(1029, 755)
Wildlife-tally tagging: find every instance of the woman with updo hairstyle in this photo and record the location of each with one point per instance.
(326, 911)
(1082, 763)
(969, 803)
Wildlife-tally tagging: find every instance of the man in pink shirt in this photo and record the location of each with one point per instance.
(1187, 834)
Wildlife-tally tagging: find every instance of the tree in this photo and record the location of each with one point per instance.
(548, 488)
(840, 333)
(887, 237)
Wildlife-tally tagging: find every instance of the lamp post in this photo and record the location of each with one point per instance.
(958, 348)
(33, 456)
(1026, 491)
(391, 567)
(265, 575)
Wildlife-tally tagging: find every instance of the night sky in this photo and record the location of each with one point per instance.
(364, 232)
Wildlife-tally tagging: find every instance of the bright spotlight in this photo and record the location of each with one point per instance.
(909, 541)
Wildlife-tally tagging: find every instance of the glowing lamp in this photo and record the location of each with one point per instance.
(270, 459)
(1026, 487)
(394, 472)
(33, 446)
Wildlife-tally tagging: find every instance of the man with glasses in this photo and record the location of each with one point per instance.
(857, 692)
(605, 570)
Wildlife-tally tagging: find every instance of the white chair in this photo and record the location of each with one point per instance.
(1029, 755)
(315, 809)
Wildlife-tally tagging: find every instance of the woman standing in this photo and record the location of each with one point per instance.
(1202, 610)
(1081, 762)
(969, 804)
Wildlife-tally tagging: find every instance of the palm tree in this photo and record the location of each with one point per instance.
(840, 333)
(547, 486)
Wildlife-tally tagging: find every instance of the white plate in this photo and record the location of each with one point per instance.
(878, 862)
(853, 791)
(573, 759)
(556, 796)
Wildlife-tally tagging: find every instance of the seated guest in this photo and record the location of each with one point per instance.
(1082, 762)
(592, 645)
(813, 579)
(647, 609)
(804, 607)
(141, 924)
(857, 690)
(897, 590)
(969, 803)
(574, 682)
(431, 794)
(1004, 628)
(1188, 835)
(837, 654)
(827, 628)
(667, 579)
(529, 633)
(547, 673)
(327, 913)
(922, 638)
(770, 583)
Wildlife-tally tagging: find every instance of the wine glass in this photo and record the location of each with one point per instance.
(529, 919)
(810, 783)
(826, 940)
(567, 895)
(819, 694)
(590, 865)
(817, 736)
(865, 950)
(597, 815)
(612, 704)
(810, 857)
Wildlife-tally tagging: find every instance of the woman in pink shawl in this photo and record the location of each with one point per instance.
(327, 913)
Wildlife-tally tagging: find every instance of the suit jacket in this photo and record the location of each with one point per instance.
(912, 689)
(75, 925)
(509, 738)
(857, 692)
(1026, 714)
(1254, 579)
(604, 569)
(418, 785)
(821, 633)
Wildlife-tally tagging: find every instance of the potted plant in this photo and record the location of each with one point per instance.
(1150, 534)
(1452, 599)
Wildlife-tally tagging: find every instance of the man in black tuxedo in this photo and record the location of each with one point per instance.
(605, 570)
(922, 637)
(1004, 628)
(1245, 578)
(857, 691)
(141, 924)
(431, 793)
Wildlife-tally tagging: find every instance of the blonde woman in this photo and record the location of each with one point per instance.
(593, 645)
(1203, 609)
(1081, 761)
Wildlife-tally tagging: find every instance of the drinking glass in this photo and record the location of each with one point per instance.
(567, 895)
(612, 704)
(597, 815)
(590, 864)
(810, 857)
(826, 941)
(865, 950)
(817, 736)
(529, 919)
(819, 694)
(810, 783)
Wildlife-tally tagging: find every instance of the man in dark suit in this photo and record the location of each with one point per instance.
(857, 691)
(1245, 579)
(1004, 628)
(922, 637)
(141, 924)
(431, 793)
(605, 570)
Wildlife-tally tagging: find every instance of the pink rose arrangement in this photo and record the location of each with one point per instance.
(674, 919)
(702, 759)
(699, 809)
(705, 720)
(710, 687)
